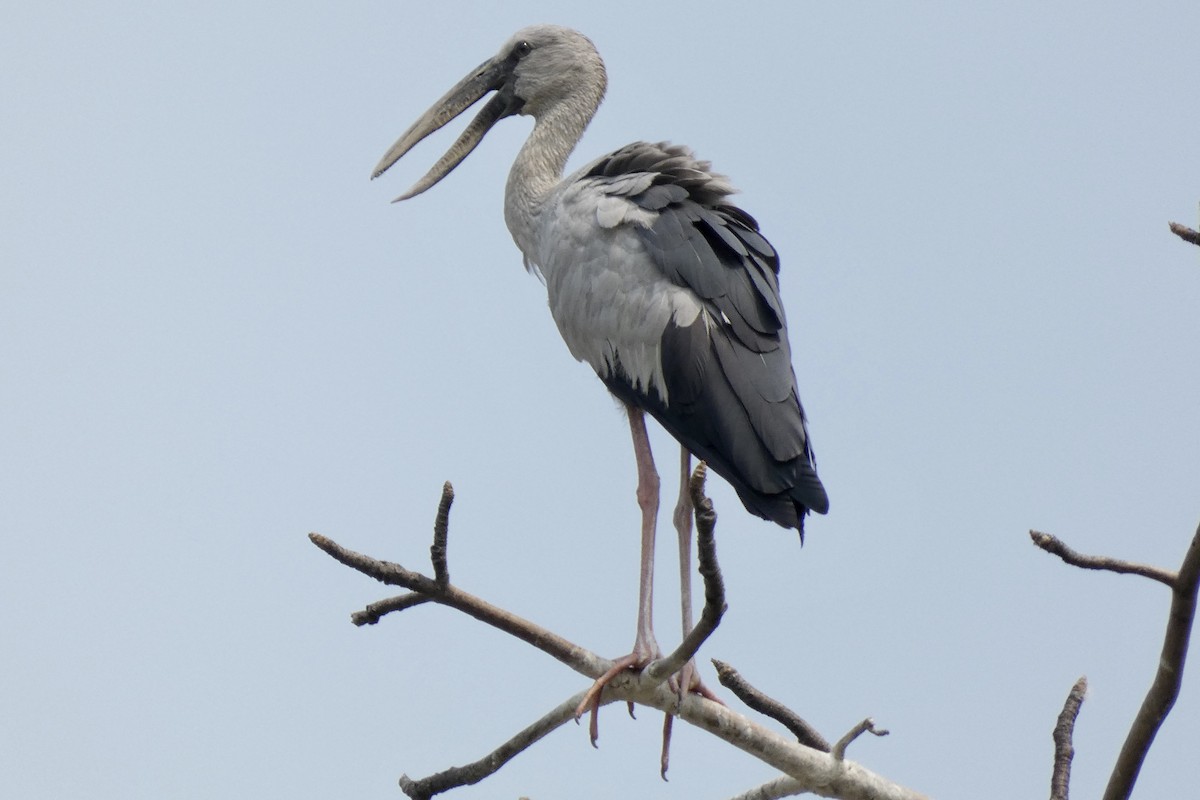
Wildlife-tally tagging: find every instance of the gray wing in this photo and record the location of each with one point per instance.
(731, 391)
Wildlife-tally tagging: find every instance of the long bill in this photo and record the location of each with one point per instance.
(492, 75)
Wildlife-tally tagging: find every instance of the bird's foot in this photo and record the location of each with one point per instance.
(643, 653)
(687, 681)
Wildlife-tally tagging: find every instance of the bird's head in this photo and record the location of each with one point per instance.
(541, 69)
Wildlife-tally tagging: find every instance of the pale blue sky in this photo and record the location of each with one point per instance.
(217, 335)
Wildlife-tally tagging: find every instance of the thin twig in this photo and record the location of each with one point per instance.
(866, 726)
(806, 734)
(476, 771)
(812, 771)
(1165, 688)
(441, 531)
(1185, 233)
(1064, 749)
(1055, 546)
(372, 613)
(577, 658)
(714, 585)
(808, 770)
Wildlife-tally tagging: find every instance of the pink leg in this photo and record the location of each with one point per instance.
(644, 644)
(683, 526)
(688, 679)
(645, 648)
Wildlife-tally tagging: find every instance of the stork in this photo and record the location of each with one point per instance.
(666, 289)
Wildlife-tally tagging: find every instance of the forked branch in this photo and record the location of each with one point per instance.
(805, 769)
(1167, 680)
(577, 658)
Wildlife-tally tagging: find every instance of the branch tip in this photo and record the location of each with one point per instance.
(374, 612)
(1055, 546)
(441, 532)
(703, 507)
(866, 726)
(1064, 748)
(1185, 233)
(476, 771)
(756, 700)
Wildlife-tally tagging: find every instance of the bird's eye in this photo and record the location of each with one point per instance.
(522, 49)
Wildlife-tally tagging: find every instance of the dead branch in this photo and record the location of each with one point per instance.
(1185, 233)
(806, 769)
(806, 734)
(577, 658)
(1167, 680)
(474, 772)
(375, 611)
(441, 532)
(813, 771)
(1064, 748)
(866, 726)
(1165, 688)
(1055, 546)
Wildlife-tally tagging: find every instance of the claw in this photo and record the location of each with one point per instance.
(665, 758)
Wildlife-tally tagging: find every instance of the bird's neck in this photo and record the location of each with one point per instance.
(539, 167)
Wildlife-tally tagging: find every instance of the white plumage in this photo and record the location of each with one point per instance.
(609, 300)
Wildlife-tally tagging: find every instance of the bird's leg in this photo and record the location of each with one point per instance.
(688, 679)
(683, 527)
(645, 647)
(644, 644)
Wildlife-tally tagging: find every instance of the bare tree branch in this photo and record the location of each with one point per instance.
(1165, 689)
(1055, 546)
(577, 658)
(806, 734)
(441, 532)
(815, 772)
(474, 772)
(810, 770)
(1185, 233)
(1064, 749)
(809, 765)
(374, 612)
(866, 726)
